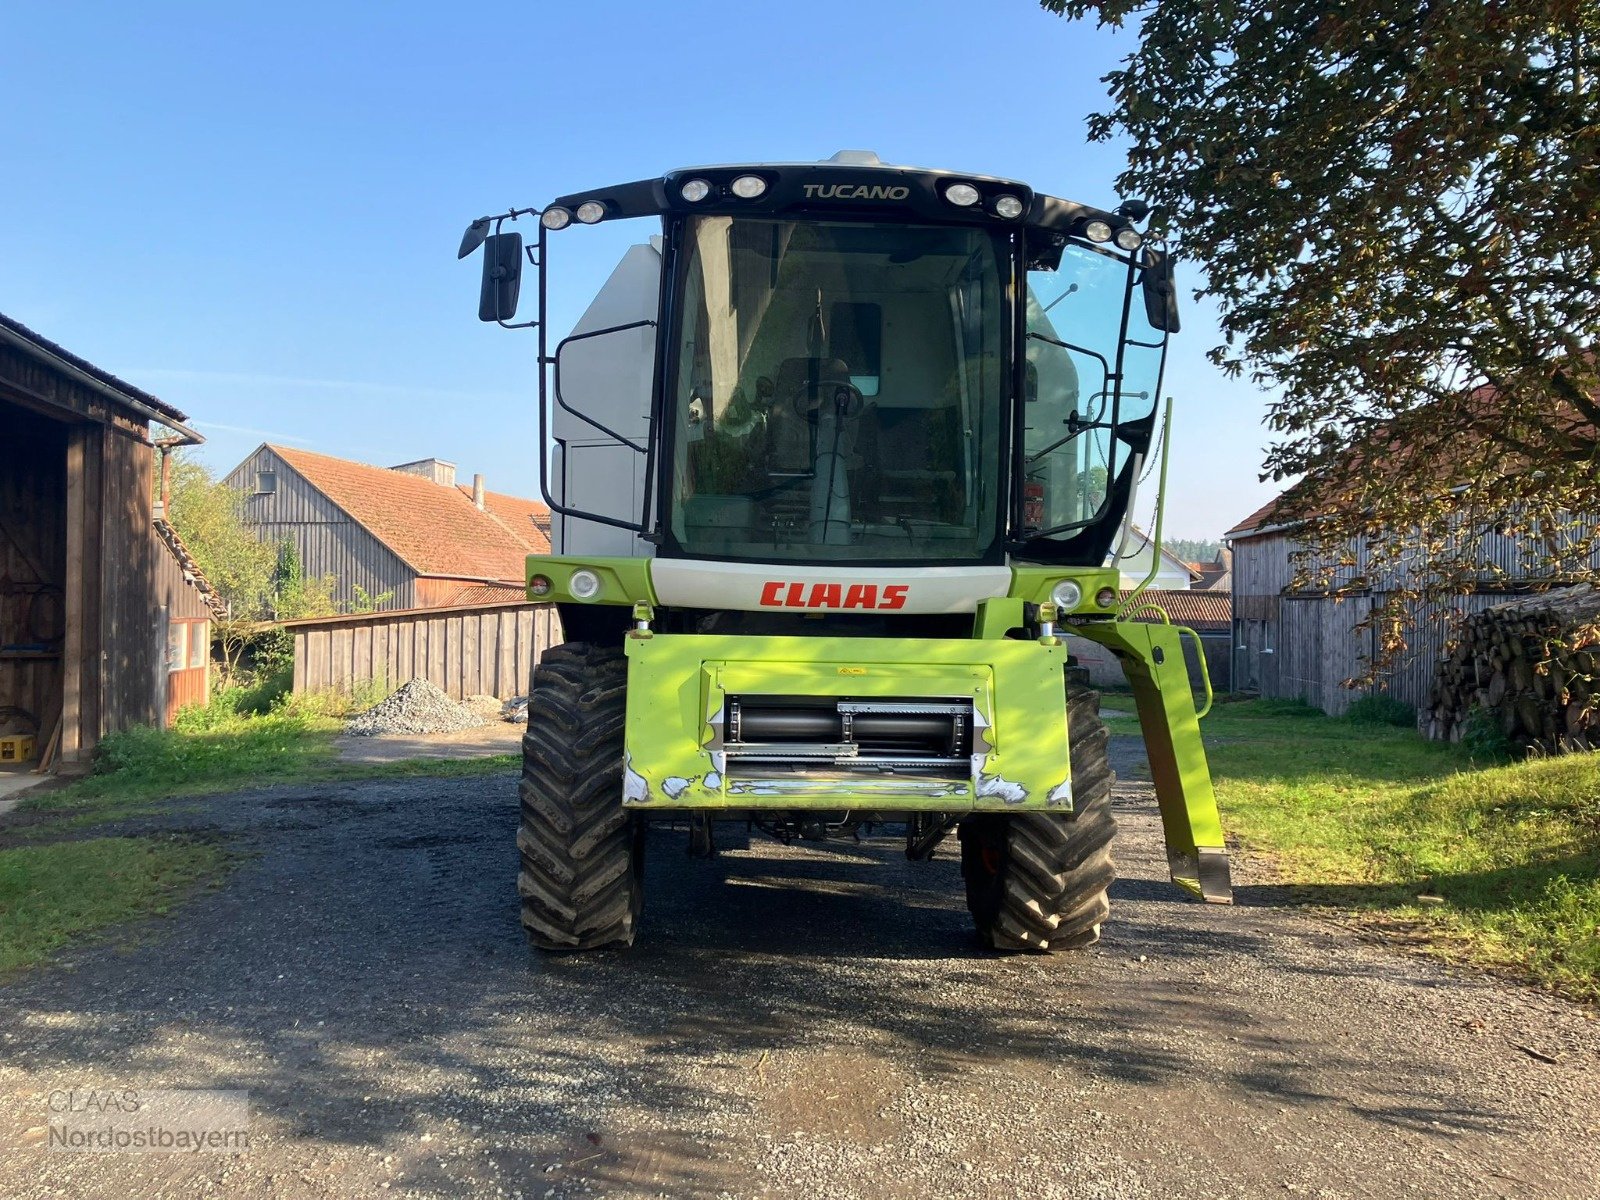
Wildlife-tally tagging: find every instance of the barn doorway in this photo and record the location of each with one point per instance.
(33, 576)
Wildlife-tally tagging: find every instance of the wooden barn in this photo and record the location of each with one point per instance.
(409, 533)
(1295, 644)
(90, 593)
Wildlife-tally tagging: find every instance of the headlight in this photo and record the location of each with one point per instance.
(1128, 239)
(748, 187)
(555, 217)
(590, 212)
(1097, 231)
(962, 195)
(695, 190)
(584, 584)
(1066, 595)
(539, 586)
(1105, 597)
(1008, 207)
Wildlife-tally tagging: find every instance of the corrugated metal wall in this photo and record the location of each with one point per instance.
(329, 542)
(488, 650)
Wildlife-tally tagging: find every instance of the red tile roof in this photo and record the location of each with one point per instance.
(527, 520)
(435, 530)
(473, 595)
(1204, 612)
(1260, 519)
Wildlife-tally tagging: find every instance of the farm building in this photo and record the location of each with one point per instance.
(1295, 644)
(408, 533)
(94, 603)
(1133, 557)
(1208, 613)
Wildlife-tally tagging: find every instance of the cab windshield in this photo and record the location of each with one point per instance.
(839, 392)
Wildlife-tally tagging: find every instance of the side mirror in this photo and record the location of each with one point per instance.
(1160, 293)
(502, 277)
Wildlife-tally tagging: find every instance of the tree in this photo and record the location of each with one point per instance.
(207, 515)
(1398, 213)
(295, 596)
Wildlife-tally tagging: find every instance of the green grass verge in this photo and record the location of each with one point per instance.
(137, 769)
(1497, 865)
(57, 885)
(53, 894)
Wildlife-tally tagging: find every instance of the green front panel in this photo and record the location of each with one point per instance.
(677, 684)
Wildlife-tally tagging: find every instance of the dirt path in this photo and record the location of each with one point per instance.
(498, 737)
(793, 1024)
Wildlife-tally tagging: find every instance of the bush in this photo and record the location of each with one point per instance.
(1484, 740)
(1382, 710)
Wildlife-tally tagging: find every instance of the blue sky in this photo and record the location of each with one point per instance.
(252, 211)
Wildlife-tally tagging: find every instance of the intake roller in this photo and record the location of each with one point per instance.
(775, 722)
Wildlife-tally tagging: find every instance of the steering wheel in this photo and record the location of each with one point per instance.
(811, 397)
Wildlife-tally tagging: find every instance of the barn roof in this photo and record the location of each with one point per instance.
(1259, 521)
(527, 520)
(1204, 612)
(433, 529)
(43, 344)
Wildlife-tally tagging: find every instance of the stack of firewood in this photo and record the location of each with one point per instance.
(1533, 667)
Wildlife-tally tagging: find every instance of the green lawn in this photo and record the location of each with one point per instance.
(57, 885)
(137, 769)
(53, 894)
(1491, 864)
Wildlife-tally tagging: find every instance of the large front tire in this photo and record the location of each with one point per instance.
(582, 854)
(1038, 881)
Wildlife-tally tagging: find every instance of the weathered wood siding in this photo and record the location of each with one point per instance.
(1291, 645)
(76, 472)
(184, 624)
(329, 541)
(486, 650)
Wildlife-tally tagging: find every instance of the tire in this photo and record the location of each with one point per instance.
(1037, 881)
(582, 853)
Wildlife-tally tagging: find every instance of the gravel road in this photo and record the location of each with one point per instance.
(794, 1023)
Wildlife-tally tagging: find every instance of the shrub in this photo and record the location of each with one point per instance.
(1484, 740)
(1382, 710)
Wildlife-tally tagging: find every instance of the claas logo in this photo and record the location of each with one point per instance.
(777, 593)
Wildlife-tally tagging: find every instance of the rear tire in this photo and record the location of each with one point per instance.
(582, 853)
(1037, 881)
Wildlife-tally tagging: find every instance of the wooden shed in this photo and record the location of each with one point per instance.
(1296, 644)
(407, 533)
(88, 589)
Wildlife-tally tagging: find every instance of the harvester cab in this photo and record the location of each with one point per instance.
(834, 463)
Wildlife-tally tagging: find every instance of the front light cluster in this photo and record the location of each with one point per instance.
(1127, 237)
(746, 187)
(1066, 595)
(590, 212)
(964, 195)
(584, 584)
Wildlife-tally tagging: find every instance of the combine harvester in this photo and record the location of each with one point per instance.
(838, 457)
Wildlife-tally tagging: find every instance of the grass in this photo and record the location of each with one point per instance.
(54, 894)
(56, 885)
(216, 749)
(1496, 865)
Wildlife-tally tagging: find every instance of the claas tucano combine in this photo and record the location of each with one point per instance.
(835, 460)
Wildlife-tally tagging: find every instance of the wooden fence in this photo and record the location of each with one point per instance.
(485, 650)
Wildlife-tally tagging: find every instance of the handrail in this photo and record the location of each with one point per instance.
(1161, 507)
(1199, 646)
(1205, 671)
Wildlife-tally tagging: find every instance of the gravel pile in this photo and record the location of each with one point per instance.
(418, 707)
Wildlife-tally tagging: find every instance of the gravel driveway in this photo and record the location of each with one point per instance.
(794, 1023)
